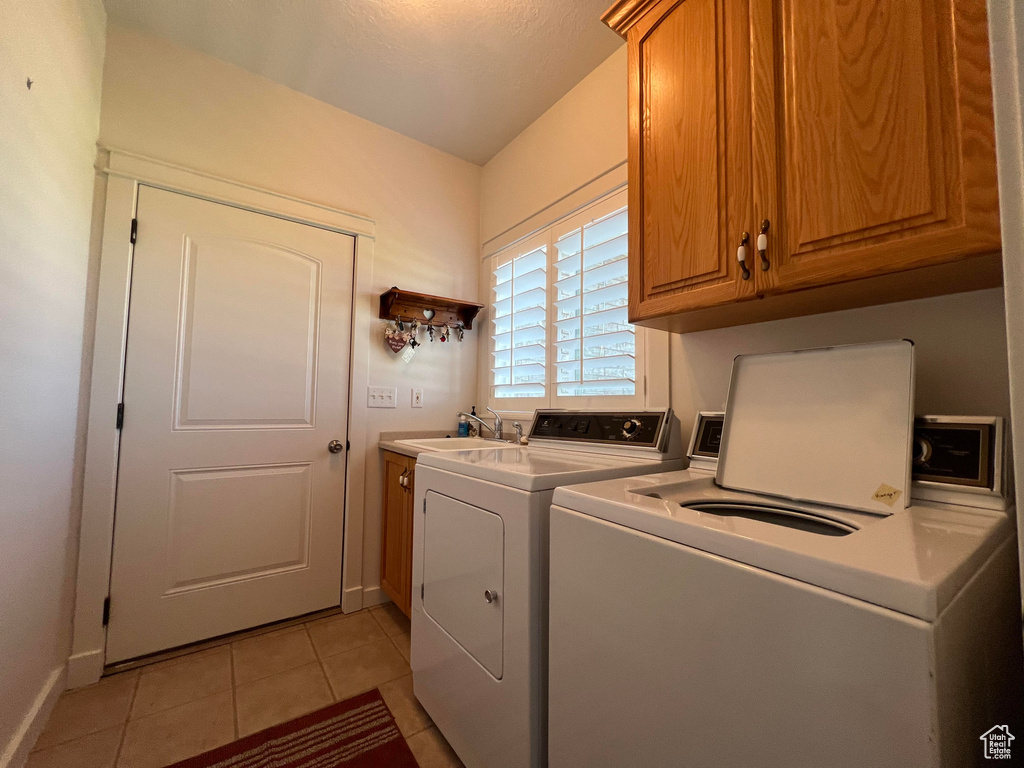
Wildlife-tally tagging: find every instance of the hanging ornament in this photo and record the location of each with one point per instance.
(430, 329)
(414, 328)
(460, 331)
(394, 338)
(445, 331)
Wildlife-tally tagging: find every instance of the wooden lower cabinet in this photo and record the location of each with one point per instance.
(396, 529)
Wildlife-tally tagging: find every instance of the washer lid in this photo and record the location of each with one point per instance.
(540, 469)
(831, 426)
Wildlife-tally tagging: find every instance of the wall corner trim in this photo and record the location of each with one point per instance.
(15, 754)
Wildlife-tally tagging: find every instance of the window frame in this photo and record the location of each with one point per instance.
(593, 212)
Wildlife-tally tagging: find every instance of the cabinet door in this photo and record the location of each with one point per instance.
(407, 518)
(689, 155)
(464, 575)
(396, 512)
(873, 137)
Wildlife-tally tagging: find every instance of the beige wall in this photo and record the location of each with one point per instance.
(174, 104)
(578, 139)
(959, 352)
(960, 340)
(47, 137)
(1006, 36)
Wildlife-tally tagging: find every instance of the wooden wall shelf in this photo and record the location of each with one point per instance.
(407, 305)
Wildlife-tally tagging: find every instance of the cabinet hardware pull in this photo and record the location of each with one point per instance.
(741, 255)
(762, 245)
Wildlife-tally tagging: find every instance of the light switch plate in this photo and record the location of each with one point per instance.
(381, 397)
(417, 398)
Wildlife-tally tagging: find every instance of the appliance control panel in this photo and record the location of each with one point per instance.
(955, 452)
(639, 428)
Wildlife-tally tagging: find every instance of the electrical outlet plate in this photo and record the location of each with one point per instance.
(417, 398)
(381, 397)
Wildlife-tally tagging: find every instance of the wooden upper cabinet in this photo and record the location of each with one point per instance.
(689, 149)
(875, 138)
(861, 131)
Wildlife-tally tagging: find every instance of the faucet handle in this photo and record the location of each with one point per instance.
(497, 423)
(519, 432)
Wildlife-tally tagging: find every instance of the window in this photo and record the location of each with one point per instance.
(520, 325)
(595, 346)
(560, 330)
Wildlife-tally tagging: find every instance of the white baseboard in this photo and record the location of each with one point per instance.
(16, 753)
(352, 600)
(374, 596)
(85, 668)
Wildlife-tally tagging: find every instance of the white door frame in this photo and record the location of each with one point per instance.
(125, 172)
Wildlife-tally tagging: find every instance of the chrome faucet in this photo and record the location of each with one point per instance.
(495, 430)
(498, 431)
(519, 432)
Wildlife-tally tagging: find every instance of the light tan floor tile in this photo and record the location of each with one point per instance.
(432, 751)
(178, 733)
(402, 643)
(88, 710)
(267, 655)
(409, 715)
(280, 698)
(97, 750)
(181, 680)
(343, 633)
(364, 668)
(391, 620)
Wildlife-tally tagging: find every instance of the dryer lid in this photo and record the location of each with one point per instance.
(830, 426)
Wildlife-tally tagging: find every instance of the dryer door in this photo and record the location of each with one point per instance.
(463, 576)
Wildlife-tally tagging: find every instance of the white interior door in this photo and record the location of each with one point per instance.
(229, 503)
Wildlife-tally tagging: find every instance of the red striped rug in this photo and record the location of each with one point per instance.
(356, 733)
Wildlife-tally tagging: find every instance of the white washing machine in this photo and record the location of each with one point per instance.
(692, 624)
(480, 556)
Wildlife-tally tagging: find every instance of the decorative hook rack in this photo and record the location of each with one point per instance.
(431, 311)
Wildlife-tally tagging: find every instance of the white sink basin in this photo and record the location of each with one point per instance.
(454, 443)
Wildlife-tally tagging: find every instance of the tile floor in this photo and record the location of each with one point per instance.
(156, 715)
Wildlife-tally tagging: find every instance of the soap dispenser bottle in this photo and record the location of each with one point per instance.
(463, 425)
(474, 429)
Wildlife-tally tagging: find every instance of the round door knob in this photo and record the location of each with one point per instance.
(490, 596)
(335, 446)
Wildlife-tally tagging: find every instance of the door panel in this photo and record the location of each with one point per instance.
(229, 505)
(879, 152)
(689, 155)
(464, 557)
(238, 293)
(262, 511)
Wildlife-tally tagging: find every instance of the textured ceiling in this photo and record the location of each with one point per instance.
(465, 76)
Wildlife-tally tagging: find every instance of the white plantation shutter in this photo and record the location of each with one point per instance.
(595, 346)
(519, 323)
(560, 332)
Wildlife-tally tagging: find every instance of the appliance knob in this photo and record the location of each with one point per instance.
(923, 450)
(630, 427)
